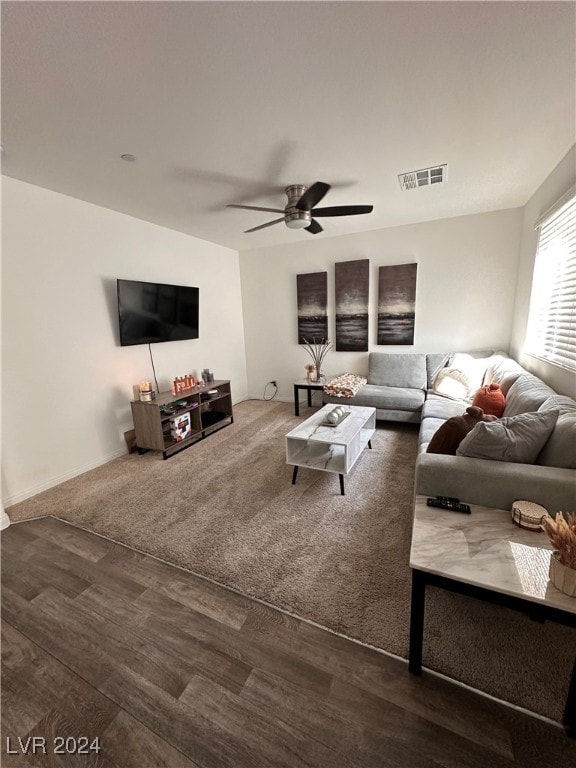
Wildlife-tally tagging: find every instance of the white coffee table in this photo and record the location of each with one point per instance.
(330, 449)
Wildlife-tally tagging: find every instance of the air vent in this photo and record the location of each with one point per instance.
(422, 178)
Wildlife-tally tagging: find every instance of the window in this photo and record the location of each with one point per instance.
(551, 332)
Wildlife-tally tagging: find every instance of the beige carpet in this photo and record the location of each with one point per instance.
(226, 509)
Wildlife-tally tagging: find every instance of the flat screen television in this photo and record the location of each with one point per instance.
(152, 312)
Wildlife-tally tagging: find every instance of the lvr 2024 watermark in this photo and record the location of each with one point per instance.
(59, 745)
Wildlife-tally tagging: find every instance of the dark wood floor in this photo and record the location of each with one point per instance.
(166, 669)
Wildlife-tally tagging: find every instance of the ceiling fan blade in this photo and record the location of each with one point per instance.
(255, 208)
(263, 226)
(314, 227)
(343, 210)
(313, 195)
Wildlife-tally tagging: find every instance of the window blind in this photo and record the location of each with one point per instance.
(552, 320)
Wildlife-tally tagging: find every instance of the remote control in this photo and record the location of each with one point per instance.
(453, 499)
(449, 505)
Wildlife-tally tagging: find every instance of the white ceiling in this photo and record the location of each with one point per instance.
(231, 102)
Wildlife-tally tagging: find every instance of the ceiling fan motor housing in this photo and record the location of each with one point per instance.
(295, 218)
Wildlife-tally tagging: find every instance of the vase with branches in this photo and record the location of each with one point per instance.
(317, 351)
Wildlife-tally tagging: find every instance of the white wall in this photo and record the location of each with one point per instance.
(66, 381)
(557, 183)
(465, 291)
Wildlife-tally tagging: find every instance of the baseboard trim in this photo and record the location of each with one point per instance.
(275, 399)
(16, 498)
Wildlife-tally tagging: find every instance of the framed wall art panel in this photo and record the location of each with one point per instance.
(312, 298)
(351, 286)
(396, 304)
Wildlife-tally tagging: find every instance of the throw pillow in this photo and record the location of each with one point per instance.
(463, 376)
(502, 370)
(452, 383)
(491, 399)
(526, 395)
(473, 367)
(448, 437)
(516, 438)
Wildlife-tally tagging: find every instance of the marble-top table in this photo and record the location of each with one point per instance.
(484, 555)
(327, 448)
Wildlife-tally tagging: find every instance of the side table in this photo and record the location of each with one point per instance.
(309, 386)
(485, 556)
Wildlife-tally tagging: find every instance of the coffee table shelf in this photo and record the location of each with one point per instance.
(326, 457)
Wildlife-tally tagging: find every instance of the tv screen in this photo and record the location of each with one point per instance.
(153, 312)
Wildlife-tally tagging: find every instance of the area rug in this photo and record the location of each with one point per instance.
(226, 509)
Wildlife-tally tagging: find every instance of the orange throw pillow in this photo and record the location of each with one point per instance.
(491, 399)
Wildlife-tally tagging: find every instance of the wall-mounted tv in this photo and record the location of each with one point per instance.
(152, 312)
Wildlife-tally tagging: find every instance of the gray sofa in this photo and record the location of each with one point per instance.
(401, 388)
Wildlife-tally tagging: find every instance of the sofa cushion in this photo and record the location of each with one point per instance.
(516, 438)
(428, 429)
(502, 370)
(560, 449)
(560, 403)
(438, 407)
(387, 398)
(494, 483)
(526, 394)
(397, 370)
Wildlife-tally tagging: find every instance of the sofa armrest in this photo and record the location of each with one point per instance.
(495, 483)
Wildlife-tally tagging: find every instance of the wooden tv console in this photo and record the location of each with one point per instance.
(207, 415)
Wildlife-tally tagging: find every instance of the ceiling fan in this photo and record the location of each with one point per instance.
(300, 208)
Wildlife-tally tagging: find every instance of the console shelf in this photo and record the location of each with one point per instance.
(207, 415)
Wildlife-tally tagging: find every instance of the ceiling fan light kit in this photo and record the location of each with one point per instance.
(299, 210)
(298, 220)
(295, 218)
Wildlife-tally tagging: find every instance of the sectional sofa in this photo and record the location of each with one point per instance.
(402, 388)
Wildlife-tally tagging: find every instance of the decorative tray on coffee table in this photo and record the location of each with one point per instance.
(335, 423)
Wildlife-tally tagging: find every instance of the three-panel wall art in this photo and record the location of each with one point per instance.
(396, 305)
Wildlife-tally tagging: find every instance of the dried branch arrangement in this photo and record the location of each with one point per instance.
(562, 534)
(317, 351)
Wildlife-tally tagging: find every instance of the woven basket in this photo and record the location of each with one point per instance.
(528, 515)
